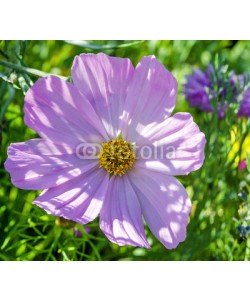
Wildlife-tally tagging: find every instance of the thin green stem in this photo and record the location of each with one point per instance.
(91, 46)
(3, 54)
(5, 105)
(27, 70)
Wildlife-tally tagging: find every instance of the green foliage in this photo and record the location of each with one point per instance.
(219, 190)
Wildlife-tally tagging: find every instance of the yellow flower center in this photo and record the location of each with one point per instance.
(117, 156)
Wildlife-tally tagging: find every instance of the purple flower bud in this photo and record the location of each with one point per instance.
(87, 229)
(77, 233)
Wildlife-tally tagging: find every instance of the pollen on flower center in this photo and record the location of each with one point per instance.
(117, 156)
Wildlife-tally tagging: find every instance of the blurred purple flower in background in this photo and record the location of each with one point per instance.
(202, 87)
(244, 110)
(197, 88)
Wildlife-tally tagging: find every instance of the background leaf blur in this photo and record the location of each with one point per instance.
(219, 191)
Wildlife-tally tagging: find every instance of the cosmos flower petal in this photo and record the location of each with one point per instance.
(57, 111)
(104, 80)
(165, 205)
(176, 146)
(40, 164)
(79, 199)
(151, 97)
(120, 217)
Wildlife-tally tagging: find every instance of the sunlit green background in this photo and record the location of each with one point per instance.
(28, 233)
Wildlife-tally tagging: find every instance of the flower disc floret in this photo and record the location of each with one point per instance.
(117, 156)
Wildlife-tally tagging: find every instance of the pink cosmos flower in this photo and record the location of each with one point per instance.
(113, 105)
(242, 165)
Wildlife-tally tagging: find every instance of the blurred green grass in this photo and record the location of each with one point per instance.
(28, 233)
